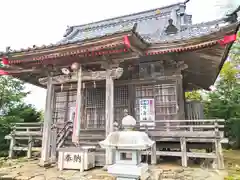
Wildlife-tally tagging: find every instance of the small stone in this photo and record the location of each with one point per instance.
(22, 178)
(8, 177)
(39, 178)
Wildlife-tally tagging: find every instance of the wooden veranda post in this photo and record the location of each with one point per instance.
(48, 114)
(109, 112)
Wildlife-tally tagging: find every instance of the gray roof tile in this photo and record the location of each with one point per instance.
(97, 33)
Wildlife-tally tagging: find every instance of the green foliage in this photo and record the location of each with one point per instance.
(26, 112)
(224, 102)
(12, 107)
(235, 50)
(193, 96)
(11, 92)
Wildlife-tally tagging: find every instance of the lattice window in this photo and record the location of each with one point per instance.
(95, 107)
(165, 96)
(166, 101)
(120, 102)
(60, 106)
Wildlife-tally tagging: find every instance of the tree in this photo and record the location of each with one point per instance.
(224, 102)
(193, 96)
(26, 112)
(13, 109)
(235, 50)
(11, 92)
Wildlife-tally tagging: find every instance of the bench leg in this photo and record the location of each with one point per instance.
(153, 154)
(30, 144)
(11, 147)
(184, 151)
(219, 154)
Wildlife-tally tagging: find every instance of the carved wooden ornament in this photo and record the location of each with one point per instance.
(86, 76)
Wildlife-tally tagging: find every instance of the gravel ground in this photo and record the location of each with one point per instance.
(29, 170)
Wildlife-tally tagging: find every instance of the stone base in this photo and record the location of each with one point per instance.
(129, 172)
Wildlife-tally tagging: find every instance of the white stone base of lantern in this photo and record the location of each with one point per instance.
(129, 172)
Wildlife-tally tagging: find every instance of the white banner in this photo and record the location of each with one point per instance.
(147, 112)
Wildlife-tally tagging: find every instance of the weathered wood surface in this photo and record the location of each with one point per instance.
(48, 120)
(78, 115)
(24, 131)
(109, 112)
(86, 76)
(188, 154)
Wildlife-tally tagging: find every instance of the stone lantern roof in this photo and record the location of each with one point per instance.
(127, 139)
(134, 140)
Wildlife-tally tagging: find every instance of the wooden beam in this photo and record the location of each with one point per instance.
(86, 76)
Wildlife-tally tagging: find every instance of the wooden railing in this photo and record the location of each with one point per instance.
(24, 131)
(27, 129)
(63, 133)
(205, 128)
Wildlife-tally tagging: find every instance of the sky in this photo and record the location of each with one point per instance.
(25, 23)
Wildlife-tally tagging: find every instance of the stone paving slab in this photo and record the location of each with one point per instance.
(30, 170)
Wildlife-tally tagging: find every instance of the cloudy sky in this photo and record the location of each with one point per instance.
(35, 22)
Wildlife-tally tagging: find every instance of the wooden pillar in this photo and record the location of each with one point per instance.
(45, 153)
(154, 154)
(53, 140)
(77, 119)
(54, 145)
(184, 151)
(30, 143)
(109, 113)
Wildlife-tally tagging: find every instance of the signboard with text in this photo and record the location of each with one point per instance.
(73, 160)
(147, 112)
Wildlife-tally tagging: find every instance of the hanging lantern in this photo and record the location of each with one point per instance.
(94, 84)
(61, 87)
(71, 87)
(83, 85)
(75, 66)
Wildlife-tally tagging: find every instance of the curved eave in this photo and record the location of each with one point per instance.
(71, 45)
(228, 47)
(204, 56)
(108, 45)
(192, 43)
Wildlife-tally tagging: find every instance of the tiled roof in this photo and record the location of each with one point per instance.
(151, 26)
(130, 18)
(86, 35)
(152, 30)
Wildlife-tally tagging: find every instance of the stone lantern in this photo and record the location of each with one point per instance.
(128, 145)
